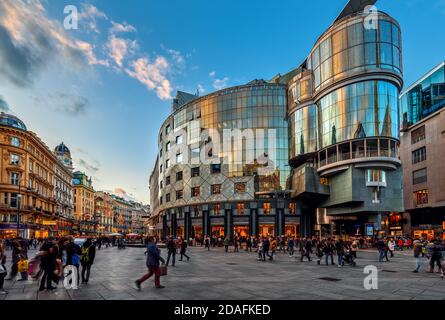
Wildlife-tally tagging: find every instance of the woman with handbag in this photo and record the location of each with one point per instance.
(3, 270)
(153, 258)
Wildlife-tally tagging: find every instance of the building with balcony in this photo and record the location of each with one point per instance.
(317, 150)
(28, 184)
(422, 147)
(344, 125)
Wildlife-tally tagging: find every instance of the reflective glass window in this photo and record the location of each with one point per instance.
(339, 41)
(355, 34)
(370, 54)
(386, 53)
(385, 31)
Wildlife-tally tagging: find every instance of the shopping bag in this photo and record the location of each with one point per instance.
(22, 265)
(163, 271)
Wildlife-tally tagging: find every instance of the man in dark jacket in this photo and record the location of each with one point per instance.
(47, 264)
(183, 250)
(171, 248)
(153, 258)
(328, 250)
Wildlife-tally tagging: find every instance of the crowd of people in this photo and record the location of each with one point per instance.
(62, 258)
(56, 259)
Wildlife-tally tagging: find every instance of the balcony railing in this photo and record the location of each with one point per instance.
(359, 149)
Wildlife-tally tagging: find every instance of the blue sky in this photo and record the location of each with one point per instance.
(104, 89)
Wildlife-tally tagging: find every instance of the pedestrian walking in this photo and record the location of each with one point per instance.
(207, 243)
(417, 251)
(381, 249)
(87, 259)
(328, 250)
(71, 257)
(249, 244)
(260, 251)
(236, 244)
(436, 257)
(183, 250)
(171, 251)
(290, 246)
(226, 244)
(47, 264)
(18, 254)
(340, 249)
(273, 248)
(153, 259)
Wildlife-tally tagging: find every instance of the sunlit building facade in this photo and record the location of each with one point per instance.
(344, 126)
(422, 149)
(86, 223)
(332, 165)
(31, 175)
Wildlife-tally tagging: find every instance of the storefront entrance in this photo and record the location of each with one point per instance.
(180, 232)
(197, 231)
(218, 231)
(266, 230)
(427, 234)
(290, 230)
(241, 231)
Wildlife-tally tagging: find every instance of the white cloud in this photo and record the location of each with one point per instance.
(89, 14)
(30, 40)
(212, 74)
(152, 75)
(219, 84)
(121, 27)
(118, 48)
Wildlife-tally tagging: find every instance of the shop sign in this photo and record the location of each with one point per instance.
(443, 225)
(49, 223)
(369, 229)
(217, 221)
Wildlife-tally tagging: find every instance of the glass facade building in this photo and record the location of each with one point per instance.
(344, 122)
(424, 97)
(322, 137)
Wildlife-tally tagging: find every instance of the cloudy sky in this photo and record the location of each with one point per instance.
(105, 87)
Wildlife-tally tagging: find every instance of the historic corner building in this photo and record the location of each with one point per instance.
(36, 195)
(330, 163)
(422, 154)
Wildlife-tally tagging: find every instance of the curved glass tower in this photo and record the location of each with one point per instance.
(311, 151)
(344, 125)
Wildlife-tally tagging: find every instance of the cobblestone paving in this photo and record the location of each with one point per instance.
(231, 276)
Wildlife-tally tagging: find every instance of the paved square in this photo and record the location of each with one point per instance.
(223, 276)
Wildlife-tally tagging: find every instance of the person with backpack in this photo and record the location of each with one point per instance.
(71, 261)
(87, 259)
